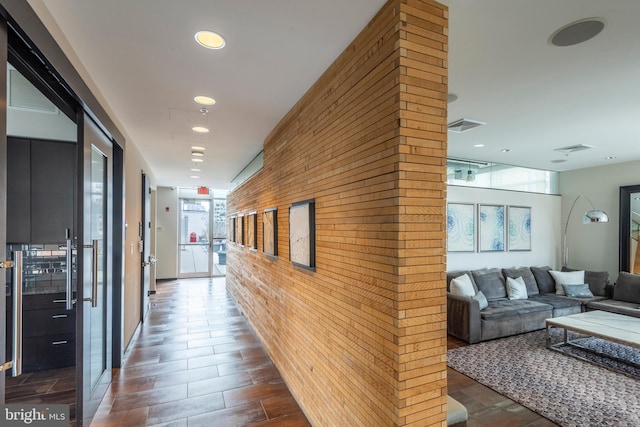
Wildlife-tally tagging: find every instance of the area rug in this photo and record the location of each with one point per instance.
(568, 391)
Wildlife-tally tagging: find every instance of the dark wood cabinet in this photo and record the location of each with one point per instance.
(48, 336)
(40, 190)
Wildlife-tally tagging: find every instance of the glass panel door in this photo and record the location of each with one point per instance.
(97, 247)
(194, 244)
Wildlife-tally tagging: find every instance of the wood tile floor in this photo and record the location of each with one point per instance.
(485, 406)
(196, 362)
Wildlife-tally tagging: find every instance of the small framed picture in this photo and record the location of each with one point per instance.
(270, 232)
(302, 234)
(519, 218)
(252, 230)
(461, 227)
(491, 226)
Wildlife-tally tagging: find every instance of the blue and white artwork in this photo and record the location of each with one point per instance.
(491, 224)
(461, 228)
(519, 228)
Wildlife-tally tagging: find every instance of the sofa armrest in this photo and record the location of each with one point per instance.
(463, 318)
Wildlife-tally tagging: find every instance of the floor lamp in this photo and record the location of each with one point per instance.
(589, 217)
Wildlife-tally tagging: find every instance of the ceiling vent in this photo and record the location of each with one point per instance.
(463, 125)
(24, 95)
(573, 148)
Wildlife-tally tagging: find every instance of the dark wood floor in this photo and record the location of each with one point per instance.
(197, 362)
(485, 406)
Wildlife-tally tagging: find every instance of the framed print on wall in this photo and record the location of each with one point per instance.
(519, 229)
(252, 230)
(270, 232)
(491, 228)
(240, 230)
(461, 227)
(302, 234)
(232, 229)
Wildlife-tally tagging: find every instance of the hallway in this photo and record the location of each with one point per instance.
(197, 362)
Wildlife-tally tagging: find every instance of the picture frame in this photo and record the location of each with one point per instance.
(461, 227)
(270, 232)
(232, 229)
(519, 229)
(302, 234)
(491, 228)
(240, 230)
(252, 230)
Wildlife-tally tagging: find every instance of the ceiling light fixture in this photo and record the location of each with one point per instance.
(200, 129)
(451, 97)
(505, 150)
(195, 176)
(577, 32)
(479, 145)
(204, 100)
(197, 153)
(195, 170)
(197, 160)
(210, 40)
(195, 147)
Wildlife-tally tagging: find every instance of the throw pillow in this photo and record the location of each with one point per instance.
(527, 276)
(567, 278)
(482, 300)
(516, 288)
(597, 280)
(578, 291)
(491, 282)
(462, 286)
(545, 282)
(627, 288)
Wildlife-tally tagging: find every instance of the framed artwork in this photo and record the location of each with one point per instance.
(232, 229)
(240, 230)
(461, 227)
(270, 232)
(491, 224)
(252, 230)
(519, 228)
(302, 234)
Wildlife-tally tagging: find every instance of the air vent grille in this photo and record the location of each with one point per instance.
(464, 125)
(573, 148)
(22, 94)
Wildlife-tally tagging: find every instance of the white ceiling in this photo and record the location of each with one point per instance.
(146, 67)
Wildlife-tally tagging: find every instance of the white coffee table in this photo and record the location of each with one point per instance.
(613, 327)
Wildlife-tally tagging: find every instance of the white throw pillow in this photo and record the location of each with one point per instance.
(516, 288)
(462, 286)
(566, 278)
(482, 300)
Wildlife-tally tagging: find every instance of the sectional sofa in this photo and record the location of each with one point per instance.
(509, 301)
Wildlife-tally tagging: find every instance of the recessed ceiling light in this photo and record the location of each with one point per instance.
(577, 32)
(210, 40)
(610, 157)
(195, 176)
(505, 150)
(200, 129)
(197, 160)
(195, 170)
(479, 145)
(197, 148)
(197, 153)
(558, 161)
(204, 100)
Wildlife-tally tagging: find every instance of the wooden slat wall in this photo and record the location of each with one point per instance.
(362, 340)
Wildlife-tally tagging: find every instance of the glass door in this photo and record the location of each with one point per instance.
(95, 263)
(194, 244)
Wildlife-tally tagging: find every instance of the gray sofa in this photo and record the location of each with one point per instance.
(625, 297)
(504, 317)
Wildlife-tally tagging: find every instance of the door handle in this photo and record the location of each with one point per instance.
(16, 369)
(94, 274)
(69, 248)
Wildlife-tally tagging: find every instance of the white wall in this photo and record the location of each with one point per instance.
(545, 229)
(595, 246)
(167, 233)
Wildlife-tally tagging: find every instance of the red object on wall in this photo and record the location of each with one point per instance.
(192, 237)
(203, 190)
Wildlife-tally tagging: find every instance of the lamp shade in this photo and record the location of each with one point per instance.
(595, 215)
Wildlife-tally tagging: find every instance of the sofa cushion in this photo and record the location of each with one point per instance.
(627, 288)
(491, 282)
(504, 308)
(545, 282)
(462, 286)
(597, 280)
(566, 278)
(482, 300)
(527, 276)
(577, 291)
(516, 289)
(614, 306)
(556, 301)
(453, 274)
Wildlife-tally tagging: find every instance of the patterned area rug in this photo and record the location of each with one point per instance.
(568, 391)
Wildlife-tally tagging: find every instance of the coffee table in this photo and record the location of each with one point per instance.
(613, 327)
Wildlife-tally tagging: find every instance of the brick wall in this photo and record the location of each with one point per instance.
(360, 341)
